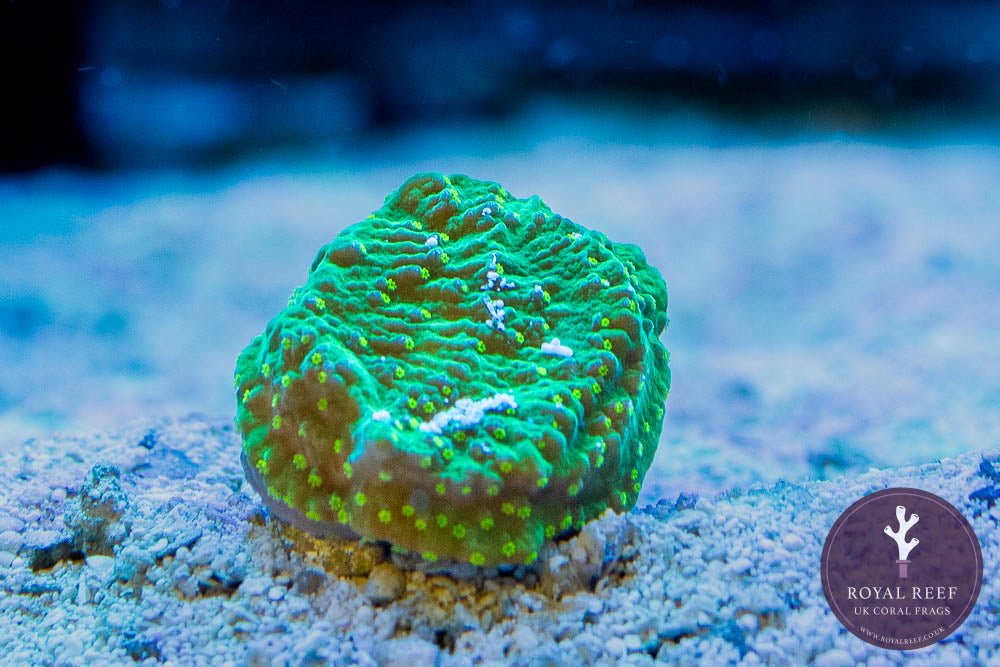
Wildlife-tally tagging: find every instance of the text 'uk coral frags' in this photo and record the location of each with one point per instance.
(464, 375)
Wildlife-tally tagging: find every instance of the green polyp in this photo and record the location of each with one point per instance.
(349, 402)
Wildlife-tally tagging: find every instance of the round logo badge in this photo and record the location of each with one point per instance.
(902, 568)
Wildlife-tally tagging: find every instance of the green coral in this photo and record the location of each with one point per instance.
(464, 374)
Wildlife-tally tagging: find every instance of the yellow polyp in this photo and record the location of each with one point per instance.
(314, 480)
(424, 273)
(261, 466)
(385, 475)
(412, 402)
(313, 514)
(446, 390)
(481, 346)
(442, 520)
(299, 461)
(602, 371)
(336, 502)
(321, 376)
(360, 499)
(429, 556)
(338, 445)
(636, 487)
(425, 462)
(390, 285)
(343, 516)
(466, 490)
(486, 524)
(439, 488)
(274, 401)
(550, 531)
(285, 380)
(492, 490)
(276, 422)
(265, 370)
(542, 482)
(322, 404)
(573, 489)
(532, 557)
(567, 521)
(577, 394)
(420, 525)
(507, 508)
(458, 531)
(348, 470)
(385, 516)
(429, 407)
(385, 298)
(523, 512)
(508, 549)
(506, 467)
(409, 344)
(541, 370)
(607, 344)
(477, 559)
(363, 342)
(408, 511)
(605, 321)
(447, 454)
(316, 358)
(302, 429)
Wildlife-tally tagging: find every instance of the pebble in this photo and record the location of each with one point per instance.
(835, 657)
(740, 566)
(276, 593)
(7, 558)
(255, 585)
(385, 584)
(10, 541)
(407, 651)
(615, 646)
(103, 566)
(793, 542)
(524, 638)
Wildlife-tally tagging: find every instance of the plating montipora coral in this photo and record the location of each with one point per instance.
(464, 375)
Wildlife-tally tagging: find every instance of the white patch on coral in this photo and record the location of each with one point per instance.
(496, 311)
(466, 413)
(431, 242)
(381, 416)
(557, 349)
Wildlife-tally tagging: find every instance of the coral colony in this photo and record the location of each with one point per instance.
(464, 375)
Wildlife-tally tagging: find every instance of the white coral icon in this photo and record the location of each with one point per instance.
(903, 545)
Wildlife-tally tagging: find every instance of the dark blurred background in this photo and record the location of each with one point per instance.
(175, 82)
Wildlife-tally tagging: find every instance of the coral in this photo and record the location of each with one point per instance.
(464, 375)
(903, 546)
